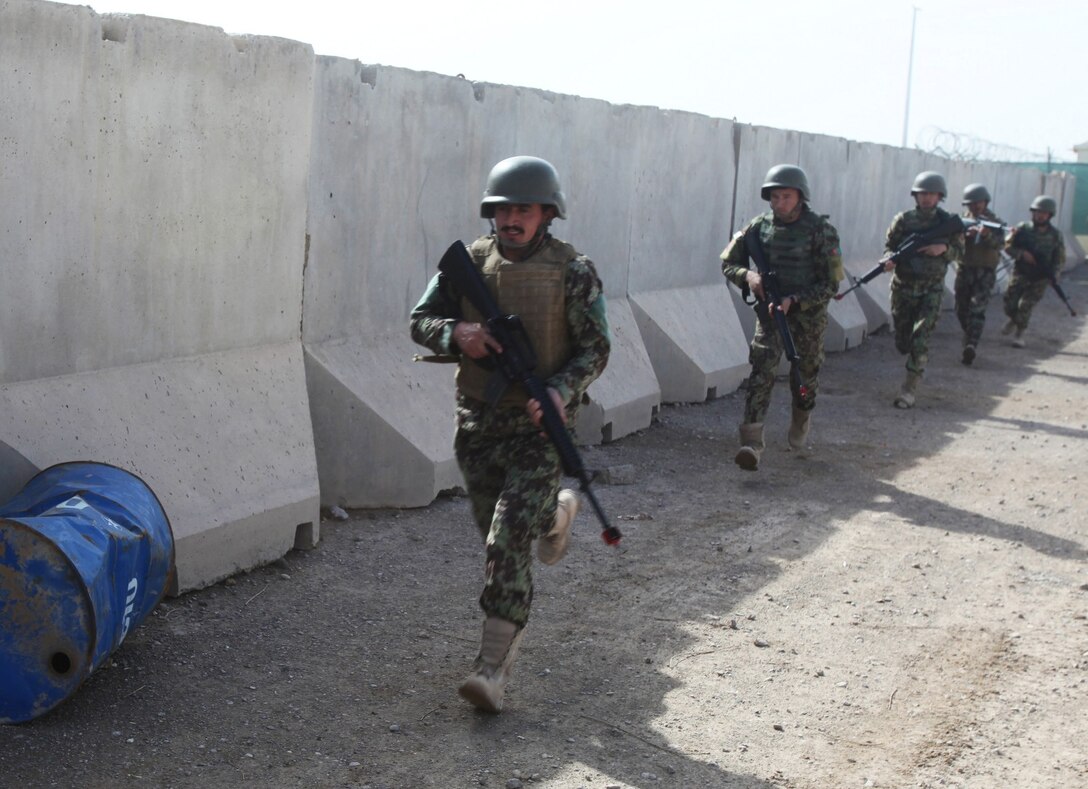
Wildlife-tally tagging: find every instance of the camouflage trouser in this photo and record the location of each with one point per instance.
(807, 328)
(974, 285)
(916, 306)
(513, 482)
(1021, 297)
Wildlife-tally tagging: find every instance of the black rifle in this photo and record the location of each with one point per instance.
(1039, 270)
(911, 244)
(517, 363)
(767, 309)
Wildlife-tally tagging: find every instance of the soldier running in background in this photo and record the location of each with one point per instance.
(1039, 251)
(977, 272)
(917, 285)
(802, 248)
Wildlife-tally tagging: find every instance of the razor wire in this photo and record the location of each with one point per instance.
(962, 147)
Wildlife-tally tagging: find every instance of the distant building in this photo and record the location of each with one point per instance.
(1081, 151)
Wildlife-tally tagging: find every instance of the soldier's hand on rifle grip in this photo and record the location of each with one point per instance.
(1027, 257)
(889, 264)
(536, 413)
(474, 340)
(755, 284)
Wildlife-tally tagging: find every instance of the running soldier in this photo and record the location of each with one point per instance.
(917, 285)
(977, 272)
(1039, 251)
(802, 248)
(511, 470)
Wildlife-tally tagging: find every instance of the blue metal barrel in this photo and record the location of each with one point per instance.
(86, 552)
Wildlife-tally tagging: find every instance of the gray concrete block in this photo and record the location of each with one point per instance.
(694, 340)
(224, 440)
(383, 424)
(626, 397)
(847, 325)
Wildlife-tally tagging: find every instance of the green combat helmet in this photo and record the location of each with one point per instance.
(785, 176)
(1044, 203)
(523, 180)
(974, 193)
(929, 181)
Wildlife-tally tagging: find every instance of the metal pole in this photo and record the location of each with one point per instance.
(910, 73)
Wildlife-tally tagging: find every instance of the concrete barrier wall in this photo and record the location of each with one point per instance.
(824, 159)
(684, 166)
(383, 425)
(211, 244)
(152, 230)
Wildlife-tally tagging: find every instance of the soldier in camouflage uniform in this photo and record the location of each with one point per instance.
(917, 285)
(802, 248)
(1039, 250)
(977, 271)
(511, 470)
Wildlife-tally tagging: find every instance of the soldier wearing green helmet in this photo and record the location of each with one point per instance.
(977, 271)
(1039, 251)
(802, 248)
(511, 471)
(917, 284)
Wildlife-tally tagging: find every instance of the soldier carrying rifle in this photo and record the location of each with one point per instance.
(977, 270)
(918, 279)
(1039, 251)
(513, 471)
(803, 269)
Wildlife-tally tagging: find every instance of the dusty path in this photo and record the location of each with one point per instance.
(905, 606)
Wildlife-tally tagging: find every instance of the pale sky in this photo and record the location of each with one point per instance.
(1002, 72)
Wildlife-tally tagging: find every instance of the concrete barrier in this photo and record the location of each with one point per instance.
(152, 202)
(678, 295)
(824, 160)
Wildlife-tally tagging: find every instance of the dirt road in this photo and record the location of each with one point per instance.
(902, 606)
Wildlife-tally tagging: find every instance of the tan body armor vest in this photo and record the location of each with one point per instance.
(535, 291)
(983, 253)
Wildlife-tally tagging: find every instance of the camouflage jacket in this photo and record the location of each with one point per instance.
(439, 309)
(805, 255)
(922, 267)
(1045, 244)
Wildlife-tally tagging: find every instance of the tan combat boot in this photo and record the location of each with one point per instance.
(799, 425)
(486, 685)
(1009, 327)
(751, 446)
(553, 546)
(905, 398)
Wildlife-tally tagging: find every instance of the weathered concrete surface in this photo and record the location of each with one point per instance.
(627, 396)
(152, 208)
(368, 453)
(223, 439)
(677, 293)
(695, 341)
